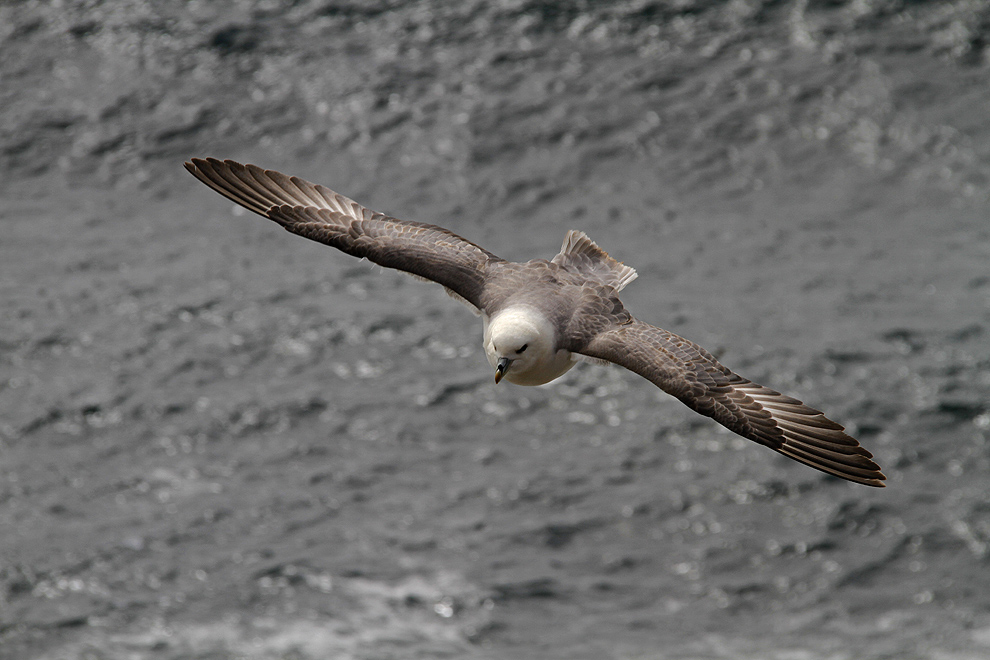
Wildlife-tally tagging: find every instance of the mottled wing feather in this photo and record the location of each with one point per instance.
(320, 214)
(782, 423)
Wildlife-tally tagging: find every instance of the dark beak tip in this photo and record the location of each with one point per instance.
(500, 368)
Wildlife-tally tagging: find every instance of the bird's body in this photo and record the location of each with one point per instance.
(542, 316)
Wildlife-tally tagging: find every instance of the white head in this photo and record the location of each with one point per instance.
(521, 344)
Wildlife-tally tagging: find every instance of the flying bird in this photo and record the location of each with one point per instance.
(541, 317)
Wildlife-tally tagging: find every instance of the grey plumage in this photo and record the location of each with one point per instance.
(576, 293)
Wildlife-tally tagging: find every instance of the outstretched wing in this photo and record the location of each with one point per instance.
(322, 215)
(782, 423)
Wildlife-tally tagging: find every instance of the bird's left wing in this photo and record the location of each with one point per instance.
(782, 423)
(322, 215)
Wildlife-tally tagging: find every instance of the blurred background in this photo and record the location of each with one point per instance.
(218, 440)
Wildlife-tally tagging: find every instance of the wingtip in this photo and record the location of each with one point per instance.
(209, 161)
(878, 482)
(199, 165)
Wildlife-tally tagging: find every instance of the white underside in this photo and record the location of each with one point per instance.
(544, 371)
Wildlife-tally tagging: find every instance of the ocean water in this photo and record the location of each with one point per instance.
(221, 441)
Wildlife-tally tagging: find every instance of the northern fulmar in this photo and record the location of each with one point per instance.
(541, 317)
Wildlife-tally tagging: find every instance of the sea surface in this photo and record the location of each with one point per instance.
(221, 441)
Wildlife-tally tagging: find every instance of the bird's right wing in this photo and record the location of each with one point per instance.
(322, 215)
(782, 423)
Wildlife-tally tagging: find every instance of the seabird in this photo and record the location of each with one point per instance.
(541, 317)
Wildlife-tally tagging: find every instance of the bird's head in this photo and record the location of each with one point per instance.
(519, 343)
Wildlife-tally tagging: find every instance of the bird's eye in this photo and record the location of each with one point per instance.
(524, 347)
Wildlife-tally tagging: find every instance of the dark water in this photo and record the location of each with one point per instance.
(220, 441)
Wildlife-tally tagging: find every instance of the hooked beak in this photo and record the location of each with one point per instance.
(500, 368)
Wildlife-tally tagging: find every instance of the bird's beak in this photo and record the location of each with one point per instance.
(500, 368)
